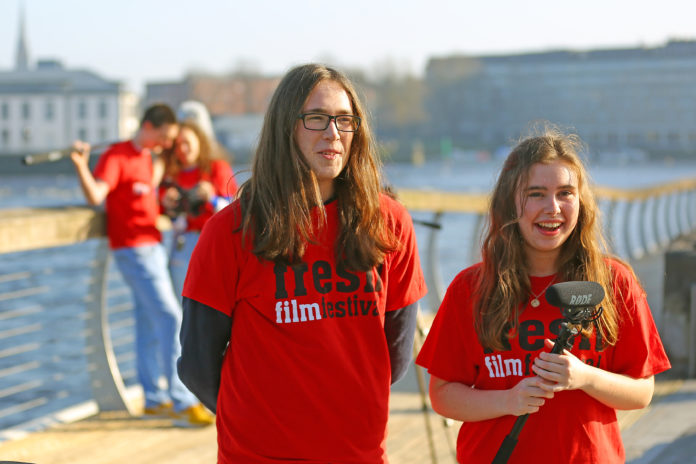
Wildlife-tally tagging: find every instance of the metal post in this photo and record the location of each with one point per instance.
(422, 389)
(643, 238)
(691, 371)
(476, 240)
(632, 252)
(653, 221)
(436, 291)
(664, 220)
(106, 380)
(609, 225)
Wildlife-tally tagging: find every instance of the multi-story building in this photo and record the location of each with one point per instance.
(47, 107)
(222, 95)
(620, 99)
(236, 104)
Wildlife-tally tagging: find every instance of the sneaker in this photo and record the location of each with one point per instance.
(160, 410)
(196, 415)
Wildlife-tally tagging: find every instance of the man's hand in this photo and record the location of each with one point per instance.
(95, 190)
(80, 153)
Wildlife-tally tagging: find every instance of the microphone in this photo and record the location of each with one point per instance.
(577, 300)
(575, 294)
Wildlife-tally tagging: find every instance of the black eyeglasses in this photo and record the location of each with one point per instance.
(320, 121)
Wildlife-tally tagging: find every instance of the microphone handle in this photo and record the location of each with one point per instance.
(510, 441)
(564, 341)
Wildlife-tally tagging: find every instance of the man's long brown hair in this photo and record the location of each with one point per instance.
(504, 284)
(278, 198)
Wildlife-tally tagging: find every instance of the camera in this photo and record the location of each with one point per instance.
(189, 203)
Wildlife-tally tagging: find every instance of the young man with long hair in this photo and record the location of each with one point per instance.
(300, 299)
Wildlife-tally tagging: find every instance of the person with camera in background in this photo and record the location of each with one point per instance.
(488, 349)
(123, 178)
(300, 300)
(195, 185)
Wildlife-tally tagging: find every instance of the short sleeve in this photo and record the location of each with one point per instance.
(406, 283)
(213, 270)
(638, 351)
(447, 351)
(223, 179)
(108, 169)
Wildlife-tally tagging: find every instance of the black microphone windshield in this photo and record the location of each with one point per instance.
(575, 294)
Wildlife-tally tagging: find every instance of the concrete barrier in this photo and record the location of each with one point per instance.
(678, 323)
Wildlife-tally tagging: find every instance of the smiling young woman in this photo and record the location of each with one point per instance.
(547, 213)
(488, 351)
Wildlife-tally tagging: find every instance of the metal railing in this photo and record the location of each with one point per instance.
(637, 222)
(69, 324)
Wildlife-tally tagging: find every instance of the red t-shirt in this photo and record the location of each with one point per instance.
(572, 427)
(131, 204)
(224, 184)
(307, 372)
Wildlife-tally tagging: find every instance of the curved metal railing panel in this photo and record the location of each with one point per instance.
(39, 371)
(637, 223)
(50, 351)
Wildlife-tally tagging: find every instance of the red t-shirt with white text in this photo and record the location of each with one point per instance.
(131, 204)
(572, 427)
(306, 376)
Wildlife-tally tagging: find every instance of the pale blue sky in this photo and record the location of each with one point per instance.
(135, 41)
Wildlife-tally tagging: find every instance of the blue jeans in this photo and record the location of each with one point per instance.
(182, 248)
(157, 323)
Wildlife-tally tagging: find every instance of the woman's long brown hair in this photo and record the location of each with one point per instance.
(172, 164)
(503, 283)
(278, 198)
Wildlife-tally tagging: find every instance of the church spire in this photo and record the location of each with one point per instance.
(22, 56)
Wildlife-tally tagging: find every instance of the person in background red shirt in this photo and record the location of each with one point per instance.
(196, 184)
(123, 178)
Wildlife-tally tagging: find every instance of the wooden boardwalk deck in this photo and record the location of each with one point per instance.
(110, 438)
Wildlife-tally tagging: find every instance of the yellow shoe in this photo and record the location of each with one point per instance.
(161, 410)
(195, 415)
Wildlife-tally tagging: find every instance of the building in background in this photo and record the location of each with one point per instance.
(47, 107)
(638, 100)
(236, 102)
